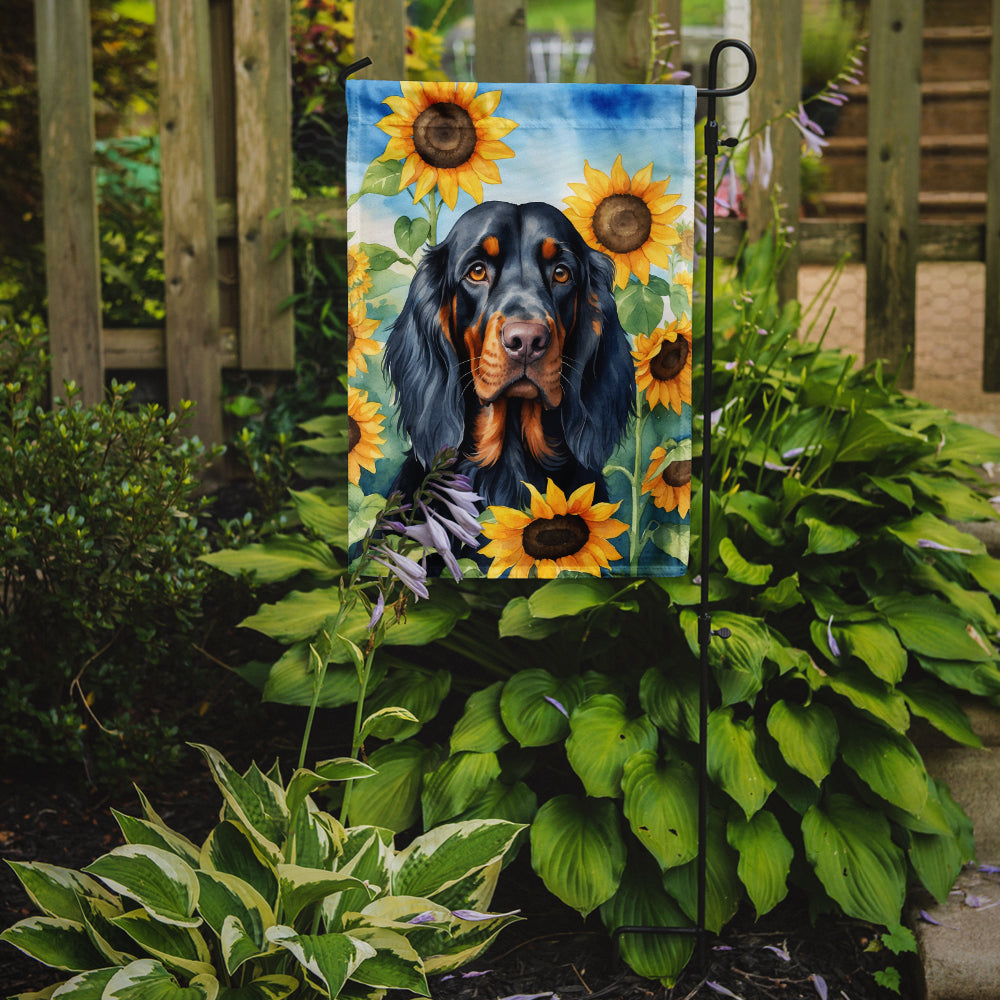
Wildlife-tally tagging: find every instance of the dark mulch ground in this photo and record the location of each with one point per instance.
(550, 952)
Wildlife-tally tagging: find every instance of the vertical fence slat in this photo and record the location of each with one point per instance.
(893, 183)
(621, 40)
(190, 253)
(501, 41)
(72, 257)
(261, 57)
(380, 34)
(776, 34)
(991, 332)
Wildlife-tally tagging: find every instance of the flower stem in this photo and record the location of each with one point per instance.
(359, 717)
(636, 480)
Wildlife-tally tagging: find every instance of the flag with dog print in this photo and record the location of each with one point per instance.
(520, 263)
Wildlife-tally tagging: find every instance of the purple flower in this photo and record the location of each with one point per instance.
(927, 543)
(558, 705)
(377, 612)
(427, 917)
(780, 952)
(831, 642)
(820, 983)
(761, 163)
(475, 915)
(811, 132)
(719, 988)
(409, 572)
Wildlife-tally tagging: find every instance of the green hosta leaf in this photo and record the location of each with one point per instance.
(783, 595)
(395, 964)
(937, 858)
(54, 941)
(876, 646)
(760, 512)
(578, 851)
(527, 711)
(941, 709)
(391, 798)
(738, 569)
(850, 847)
(559, 598)
(411, 234)
(438, 859)
(827, 539)
(147, 979)
(765, 858)
(481, 728)
(516, 803)
(56, 891)
(260, 809)
(159, 881)
(928, 528)
(958, 502)
(386, 723)
(986, 572)
(602, 738)
(177, 947)
(417, 690)
(456, 784)
(661, 798)
(226, 898)
(738, 661)
(279, 558)
(866, 692)
(888, 763)
(976, 678)
(932, 628)
(732, 760)
(807, 736)
(301, 887)
(292, 680)
(230, 849)
(304, 782)
(723, 889)
(671, 700)
(975, 605)
(141, 831)
(275, 987)
(299, 615)
(641, 901)
(517, 620)
(330, 959)
(327, 520)
(870, 436)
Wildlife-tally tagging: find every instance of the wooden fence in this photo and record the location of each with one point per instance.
(226, 162)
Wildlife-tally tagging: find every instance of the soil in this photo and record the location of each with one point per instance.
(550, 953)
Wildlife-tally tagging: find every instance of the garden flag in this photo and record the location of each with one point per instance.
(520, 265)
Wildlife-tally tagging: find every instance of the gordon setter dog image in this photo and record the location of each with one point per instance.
(509, 349)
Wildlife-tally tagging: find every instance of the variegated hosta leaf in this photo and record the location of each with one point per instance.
(56, 891)
(54, 941)
(765, 858)
(807, 736)
(475, 891)
(315, 838)
(732, 760)
(275, 987)
(86, 986)
(230, 849)
(481, 727)
(642, 902)
(158, 880)
(116, 947)
(395, 964)
(304, 782)
(602, 737)
(578, 851)
(149, 980)
(661, 799)
(441, 857)
(456, 784)
(888, 763)
(256, 801)
(301, 887)
(535, 706)
(225, 897)
(366, 855)
(177, 947)
(329, 959)
(467, 940)
(850, 847)
(141, 831)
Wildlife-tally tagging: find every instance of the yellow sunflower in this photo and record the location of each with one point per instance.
(626, 218)
(359, 338)
(663, 365)
(359, 280)
(447, 137)
(364, 426)
(558, 535)
(686, 280)
(671, 486)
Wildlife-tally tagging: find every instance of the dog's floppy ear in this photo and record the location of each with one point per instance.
(602, 373)
(421, 362)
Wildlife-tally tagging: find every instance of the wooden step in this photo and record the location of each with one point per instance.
(957, 206)
(956, 53)
(940, 13)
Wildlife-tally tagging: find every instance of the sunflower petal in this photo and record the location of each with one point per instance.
(447, 182)
(620, 182)
(598, 181)
(484, 105)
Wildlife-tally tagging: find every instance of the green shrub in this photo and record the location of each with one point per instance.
(101, 584)
(280, 899)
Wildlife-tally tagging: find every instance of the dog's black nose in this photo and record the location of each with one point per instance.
(525, 340)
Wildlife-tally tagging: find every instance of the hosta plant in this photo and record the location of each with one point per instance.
(279, 900)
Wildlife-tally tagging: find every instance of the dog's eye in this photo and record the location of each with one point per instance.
(561, 274)
(477, 272)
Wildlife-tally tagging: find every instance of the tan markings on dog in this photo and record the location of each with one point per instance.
(474, 345)
(445, 319)
(488, 433)
(596, 306)
(531, 430)
(492, 246)
(493, 370)
(549, 248)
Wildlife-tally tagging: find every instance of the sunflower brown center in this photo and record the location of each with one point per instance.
(555, 537)
(677, 473)
(350, 336)
(670, 360)
(353, 433)
(444, 135)
(352, 266)
(623, 222)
